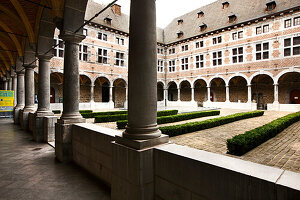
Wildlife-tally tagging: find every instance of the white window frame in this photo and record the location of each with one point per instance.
(218, 58)
(119, 61)
(83, 54)
(160, 65)
(184, 63)
(184, 47)
(199, 61)
(172, 66)
(103, 56)
(58, 50)
(103, 37)
(291, 47)
(199, 44)
(120, 41)
(262, 51)
(239, 56)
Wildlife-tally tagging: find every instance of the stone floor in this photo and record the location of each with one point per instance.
(28, 170)
(282, 151)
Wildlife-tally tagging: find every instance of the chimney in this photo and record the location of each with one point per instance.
(116, 9)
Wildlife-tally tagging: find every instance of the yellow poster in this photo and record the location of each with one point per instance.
(6, 100)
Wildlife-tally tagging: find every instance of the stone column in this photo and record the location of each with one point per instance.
(43, 98)
(133, 160)
(276, 93)
(9, 83)
(29, 96)
(178, 93)
(14, 88)
(208, 94)
(249, 93)
(92, 93)
(126, 98)
(5, 83)
(193, 94)
(71, 87)
(111, 94)
(20, 96)
(227, 94)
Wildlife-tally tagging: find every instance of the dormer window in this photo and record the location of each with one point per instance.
(225, 4)
(232, 18)
(203, 27)
(200, 14)
(270, 5)
(180, 21)
(108, 20)
(179, 34)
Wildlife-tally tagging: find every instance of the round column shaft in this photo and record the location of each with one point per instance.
(71, 85)
(142, 75)
(208, 94)
(110, 93)
(275, 93)
(20, 90)
(44, 85)
(5, 83)
(10, 84)
(192, 94)
(249, 94)
(14, 88)
(29, 88)
(92, 93)
(227, 93)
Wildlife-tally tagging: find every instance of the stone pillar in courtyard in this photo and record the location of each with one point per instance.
(71, 88)
(192, 94)
(178, 93)
(133, 151)
(5, 83)
(14, 87)
(9, 83)
(29, 96)
(20, 96)
(249, 94)
(208, 94)
(43, 98)
(227, 94)
(276, 101)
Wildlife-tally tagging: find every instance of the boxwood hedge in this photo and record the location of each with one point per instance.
(175, 118)
(85, 111)
(197, 126)
(94, 114)
(241, 144)
(56, 111)
(113, 118)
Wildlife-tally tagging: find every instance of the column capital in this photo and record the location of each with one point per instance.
(44, 57)
(20, 73)
(28, 66)
(71, 37)
(276, 84)
(249, 85)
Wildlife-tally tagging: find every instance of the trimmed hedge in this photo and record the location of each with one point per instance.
(210, 123)
(56, 111)
(94, 114)
(241, 144)
(113, 118)
(85, 111)
(175, 118)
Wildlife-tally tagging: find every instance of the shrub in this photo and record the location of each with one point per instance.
(242, 143)
(197, 126)
(56, 111)
(85, 111)
(175, 118)
(112, 118)
(94, 114)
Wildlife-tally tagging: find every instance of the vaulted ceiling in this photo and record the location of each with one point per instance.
(19, 20)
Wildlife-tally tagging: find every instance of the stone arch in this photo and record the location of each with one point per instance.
(119, 92)
(185, 90)
(102, 76)
(200, 90)
(214, 77)
(101, 89)
(276, 79)
(119, 78)
(262, 89)
(218, 89)
(200, 78)
(185, 80)
(238, 89)
(172, 91)
(56, 87)
(237, 75)
(160, 91)
(261, 73)
(85, 88)
(289, 88)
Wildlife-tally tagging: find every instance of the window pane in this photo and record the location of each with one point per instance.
(219, 54)
(287, 52)
(234, 59)
(219, 61)
(296, 41)
(258, 47)
(241, 58)
(287, 42)
(296, 21)
(214, 55)
(266, 46)
(214, 62)
(234, 51)
(241, 50)
(296, 51)
(266, 55)
(258, 56)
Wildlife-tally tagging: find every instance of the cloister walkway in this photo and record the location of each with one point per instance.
(28, 170)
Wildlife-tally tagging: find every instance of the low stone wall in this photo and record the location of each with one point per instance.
(92, 149)
(184, 173)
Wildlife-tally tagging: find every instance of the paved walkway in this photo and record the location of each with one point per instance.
(28, 170)
(283, 151)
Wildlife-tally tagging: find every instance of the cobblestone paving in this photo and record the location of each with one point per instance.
(283, 151)
(28, 170)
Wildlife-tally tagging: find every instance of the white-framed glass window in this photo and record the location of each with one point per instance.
(103, 56)
(266, 28)
(262, 51)
(85, 32)
(217, 40)
(160, 50)
(297, 21)
(102, 36)
(58, 51)
(185, 47)
(184, 63)
(292, 46)
(120, 59)
(237, 55)
(237, 35)
(160, 65)
(172, 66)
(262, 29)
(217, 58)
(199, 44)
(287, 23)
(83, 52)
(120, 41)
(199, 61)
(172, 50)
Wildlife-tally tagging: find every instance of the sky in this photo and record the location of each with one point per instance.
(166, 10)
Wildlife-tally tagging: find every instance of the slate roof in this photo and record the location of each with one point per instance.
(215, 17)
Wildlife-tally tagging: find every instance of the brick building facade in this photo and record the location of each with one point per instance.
(242, 55)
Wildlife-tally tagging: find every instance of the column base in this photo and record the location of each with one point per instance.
(17, 114)
(38, 126)
(133, 176)
(23, 118)
(63, 138)
(31, 121)
(49, 128)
